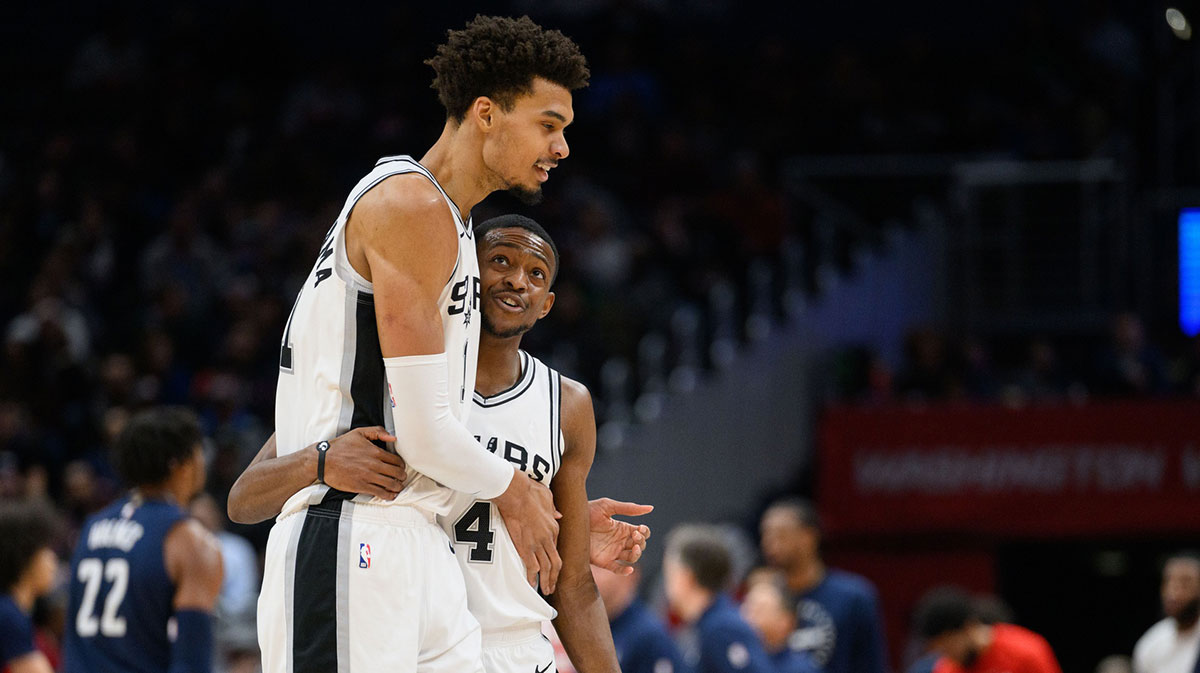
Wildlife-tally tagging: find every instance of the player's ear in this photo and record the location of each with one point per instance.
(482, 112)
(546, 306)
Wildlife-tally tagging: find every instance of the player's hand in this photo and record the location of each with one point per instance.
(528, 510)
(356, 465)
(616, 545)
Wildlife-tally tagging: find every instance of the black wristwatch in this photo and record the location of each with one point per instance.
(322, 449)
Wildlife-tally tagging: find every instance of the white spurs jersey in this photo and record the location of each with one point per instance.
(522, 425)
(331, 372)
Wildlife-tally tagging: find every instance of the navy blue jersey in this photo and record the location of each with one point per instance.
(838, 625)
(725, 643)
(642, 643)
(924, 665)
(788, 660)
(121, 597)
(16, 632)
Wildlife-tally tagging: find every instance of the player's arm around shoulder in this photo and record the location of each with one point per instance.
(402, 237)
(582, 623)
(194, 565)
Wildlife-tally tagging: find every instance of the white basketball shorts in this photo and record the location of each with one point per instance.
(358, 588)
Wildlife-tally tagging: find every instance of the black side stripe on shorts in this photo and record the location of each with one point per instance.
(314, 607)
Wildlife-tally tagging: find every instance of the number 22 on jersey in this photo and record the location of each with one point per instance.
(93, 572)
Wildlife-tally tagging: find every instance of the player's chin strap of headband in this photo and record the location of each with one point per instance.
(434, 442)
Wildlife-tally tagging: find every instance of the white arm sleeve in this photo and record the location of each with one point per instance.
(428, 436)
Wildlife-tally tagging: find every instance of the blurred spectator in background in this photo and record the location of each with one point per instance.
(640, 636)
(838, 613)
(696, 572)
(771, 609)
(1117, 663)
(1172, 645)
(234, 616)
(1129, 366)
(28, 566)
(1041, 378)
(988, 609)
(947, 620)
(927, 374)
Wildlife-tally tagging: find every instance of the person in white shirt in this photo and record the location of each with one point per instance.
(1172, 645)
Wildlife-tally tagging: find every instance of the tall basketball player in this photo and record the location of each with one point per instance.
(539, 422)
(385, 332)
(145, 576)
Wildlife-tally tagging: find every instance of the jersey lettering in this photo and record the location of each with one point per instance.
(326, 253)
(518, 455)
(458, 295)
(92, 572)
(474, 527)
(541, 467)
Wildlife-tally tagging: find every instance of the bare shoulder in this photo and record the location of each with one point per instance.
(190, 549)
(578, 417)
(575, 395)
(409, 199)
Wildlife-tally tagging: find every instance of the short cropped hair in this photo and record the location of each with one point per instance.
(499, 57)
(25, 528)
(1190, 555)
(943, 610)
(789, 601)
(703, 551)
(803, 510)
(522, 222)
(154, 442)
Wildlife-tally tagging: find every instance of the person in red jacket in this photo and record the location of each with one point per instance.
(968, 645)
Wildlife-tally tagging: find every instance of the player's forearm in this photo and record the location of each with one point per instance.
(265, 486)
(433, 441)
(582, 625)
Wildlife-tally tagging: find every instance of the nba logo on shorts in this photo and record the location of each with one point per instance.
(391, 396)
(364, 555)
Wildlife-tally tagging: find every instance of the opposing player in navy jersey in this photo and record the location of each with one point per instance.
(540, 422)
(145, 576)
(697, 573)
(384, 332)
(837, 620)
(639, 634)
(27, 568)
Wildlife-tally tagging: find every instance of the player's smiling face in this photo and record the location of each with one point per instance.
(528, 141)
(515, 269)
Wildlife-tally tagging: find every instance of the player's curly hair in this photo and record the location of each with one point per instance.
(154, 442)
(26, 528)
(499, 57)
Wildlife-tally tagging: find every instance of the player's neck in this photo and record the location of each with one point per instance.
(804, 576)
(164, 491)
(692, 606)
(499, 364)
(456, 163)
(23, 596)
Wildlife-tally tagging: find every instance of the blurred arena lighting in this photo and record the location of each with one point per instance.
(1189, 271)
(1179, 24)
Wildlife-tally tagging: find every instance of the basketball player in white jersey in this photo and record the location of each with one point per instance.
(538, 421)
(384, 332)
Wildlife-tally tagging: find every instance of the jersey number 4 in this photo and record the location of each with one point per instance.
(93, 571)
(474, 527)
